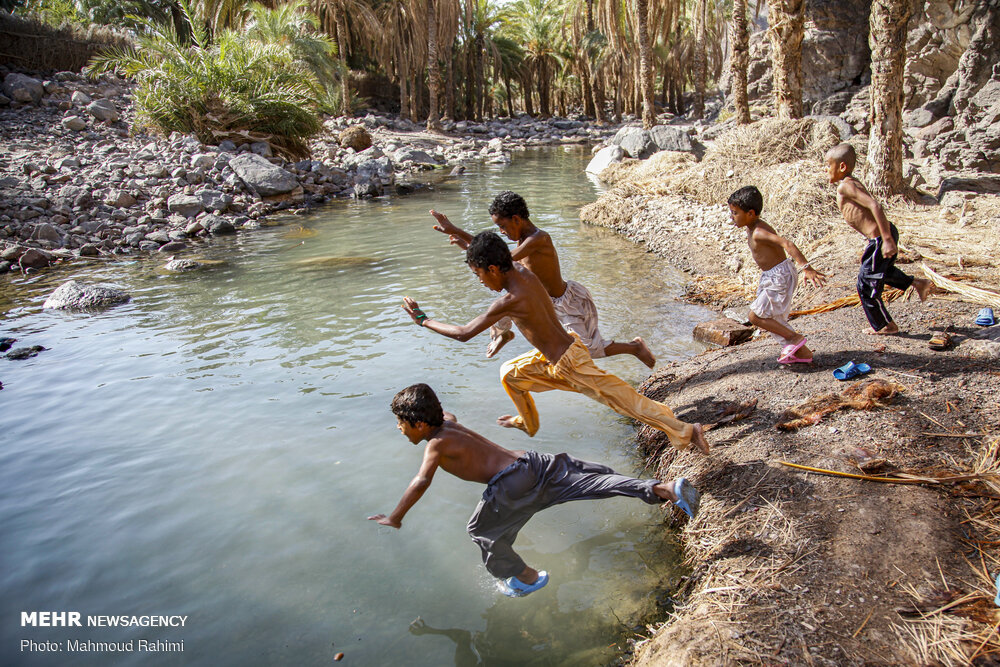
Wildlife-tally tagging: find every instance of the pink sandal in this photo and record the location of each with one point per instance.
(788, 352)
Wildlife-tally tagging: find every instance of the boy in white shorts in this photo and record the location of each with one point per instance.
(769, 311)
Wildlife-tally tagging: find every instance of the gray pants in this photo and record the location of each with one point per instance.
(532, 483)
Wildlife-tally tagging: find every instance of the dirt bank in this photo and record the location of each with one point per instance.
(792, 567)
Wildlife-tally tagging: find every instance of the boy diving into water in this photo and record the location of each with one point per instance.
(574, 305)
(518, 484)
(559, 361)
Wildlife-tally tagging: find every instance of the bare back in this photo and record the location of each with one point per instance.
(529, 305)
(537, 253)
(849, 195)
(468, 455)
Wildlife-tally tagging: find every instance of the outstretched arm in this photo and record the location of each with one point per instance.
(415, 490)
(809, 274)
(460, 333)
(851, 191)
(456, 235)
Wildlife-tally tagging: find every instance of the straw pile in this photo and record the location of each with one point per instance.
(783, 158)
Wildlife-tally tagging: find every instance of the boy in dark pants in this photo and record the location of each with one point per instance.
(878, 266)
(518, 484)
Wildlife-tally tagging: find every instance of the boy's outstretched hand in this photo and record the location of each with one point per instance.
(445, 226)
(813, 276)
(413, 310)
(384, 520)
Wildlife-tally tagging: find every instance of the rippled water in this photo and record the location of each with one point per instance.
(212, 448)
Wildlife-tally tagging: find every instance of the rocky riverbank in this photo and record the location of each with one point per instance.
(79, 179)
(796, 568)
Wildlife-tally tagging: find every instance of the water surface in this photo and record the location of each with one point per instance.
(212, 448)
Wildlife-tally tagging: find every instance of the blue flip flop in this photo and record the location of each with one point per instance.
(996, 600)
(851, 370)
(985, 318)
(515, 588)
(688, 498)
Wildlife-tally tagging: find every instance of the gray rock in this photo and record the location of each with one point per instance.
(159, 237)
(103, 110)
(77, 296)
(4, 101)
(202, 161)
(21, 353)
(366, 190)
(88, 250)
(261, 148)
(635, 141)
(832, 105)
(183, 265)
(172, 246)
(669, 138)
(217, 225)
(120, 199)
(918, 118)
(227, 146)
(34, 259)
(74, 123)
(23, 88)
(604, 158)
(80, 99)
(843, 127)
(413, 155)
(46, 232)
(261, 176)
(213, 200)
(66, 163)
(186, 205)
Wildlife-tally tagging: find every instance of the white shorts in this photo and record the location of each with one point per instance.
(774, 293)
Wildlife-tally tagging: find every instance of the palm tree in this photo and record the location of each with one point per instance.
(738, 62)
(333, 16)
(699, 59)
(538, 23)
(887, 39)
(645, 65)
(787, 20)
(433, 78)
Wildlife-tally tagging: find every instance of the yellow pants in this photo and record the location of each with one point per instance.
(576, 371)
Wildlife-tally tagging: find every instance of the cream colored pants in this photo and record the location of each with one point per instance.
(576, 371)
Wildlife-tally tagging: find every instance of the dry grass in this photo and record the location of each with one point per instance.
(784, 159)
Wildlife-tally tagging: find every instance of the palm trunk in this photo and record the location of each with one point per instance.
(404, 93)
(345, 71)
(698, 58)
(510, 101)
(645, 66)
(433, 118)
(887, 39)
(599, 98)
(449, 89)
(738, 62)
(787, 19)
(526, 89)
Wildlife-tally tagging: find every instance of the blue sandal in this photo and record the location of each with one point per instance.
(688, 498)
(851, 370)
(985, 318)
(515, 588)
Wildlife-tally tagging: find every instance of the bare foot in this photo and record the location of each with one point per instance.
(887, 330)
(510, 421)
(698, 439)
(922, 287)
(497, 343)
(644, 354)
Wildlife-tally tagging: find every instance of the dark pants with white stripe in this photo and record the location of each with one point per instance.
(532, 483)
(877, 272)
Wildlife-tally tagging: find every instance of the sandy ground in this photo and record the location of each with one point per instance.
(792, 567)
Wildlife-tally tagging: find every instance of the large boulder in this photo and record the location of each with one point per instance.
(77, 296)
(604, 158)
(261, 176)
(669, 138)
(23, 88)
(413, 155)
(635, 141)
(356, 137)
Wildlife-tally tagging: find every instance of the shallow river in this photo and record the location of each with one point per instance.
(213, 448)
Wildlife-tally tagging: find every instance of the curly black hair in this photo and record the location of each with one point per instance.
(487, 249)
(747, 199)
(418, 403)
(507, 204)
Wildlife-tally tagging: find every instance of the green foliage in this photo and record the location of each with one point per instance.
(52, 12)
(257, 85)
